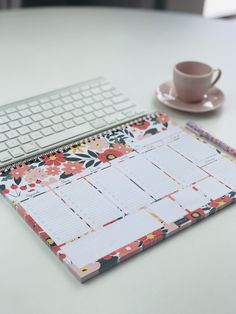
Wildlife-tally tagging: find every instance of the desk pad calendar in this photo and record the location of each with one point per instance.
(100, 201)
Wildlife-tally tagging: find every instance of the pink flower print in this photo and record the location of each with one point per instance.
(52, 171)
(35, 174)
(19, 171)
(124, 149)
(98, 145)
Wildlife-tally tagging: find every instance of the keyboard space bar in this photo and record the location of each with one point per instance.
(65, 135)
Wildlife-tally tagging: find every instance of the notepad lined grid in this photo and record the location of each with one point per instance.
(141, 184)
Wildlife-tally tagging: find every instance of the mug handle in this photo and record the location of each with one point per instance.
(217, 76)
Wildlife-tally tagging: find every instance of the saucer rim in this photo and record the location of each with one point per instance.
(192, 110)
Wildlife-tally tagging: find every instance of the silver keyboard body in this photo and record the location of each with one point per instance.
(42, 123)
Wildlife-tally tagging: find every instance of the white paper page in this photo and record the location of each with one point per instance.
(168, 210)
(120, 189)
(175, 165)
(89, 203)
(191, 199)
(196, 151)
(55, 217)
(98, 244)
(224, 170)
(212, 188)
(154, 181)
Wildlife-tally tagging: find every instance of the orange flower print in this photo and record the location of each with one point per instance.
(53, 171)
(19, 171)
(72, 167)
(54, 159)
(109, 155)
(142, 125)
(122, 148)
(98, 145)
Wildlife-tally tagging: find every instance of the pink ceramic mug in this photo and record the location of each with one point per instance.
(193, 79)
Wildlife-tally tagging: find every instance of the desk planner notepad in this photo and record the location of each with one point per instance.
(104, 199)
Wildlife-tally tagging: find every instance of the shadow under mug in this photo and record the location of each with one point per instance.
(193, 79)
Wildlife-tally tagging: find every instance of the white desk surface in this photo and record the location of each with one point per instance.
(43, 49)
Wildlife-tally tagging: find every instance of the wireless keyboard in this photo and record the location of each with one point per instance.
(32, 126)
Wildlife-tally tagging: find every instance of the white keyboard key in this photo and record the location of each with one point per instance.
(56, 119)
(14, 116)
(98, 97)
(47, 106)
(5, 156)
(55, 96)
(48, 114)
(46, 122)
(65, 135)
(14, 124)
(35, 126)
(58, 127)
(90, 117)
(67, 100)
(12, 143)
(75, 90)
(79, 120)
(119, 99)
(67, 116)
(87, 109)
(23, 130)
(26, 121)
(36, 135)
(107, 95)
(68, 107)
(68, 124)
(33, 103)
(24, 139)
(129, 113)
(37, 117)
(96, 90)
(78, 112)
(110, 119)
(99, 123)
(106, 87)
(11, 110)
(116, 92)
(12, 134)
(88, 101)
(84, 87)
(99, 113)
(77, 96)
(25, 113)
(22, 107)
(109, 110)
(2, 113)
(36, 109)
(65, 93)
(4, 128)
(44, 99)
(30, 147)
(120, 116)
(86, 93)
(4, 119)
(16, 152)
(107, 102)
(47, 131)
(97, 106)
(78, 104)
(57, 102)
(3, 147)
(123, 105)
(58, 110)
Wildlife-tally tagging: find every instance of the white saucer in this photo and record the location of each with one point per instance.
(211, 101)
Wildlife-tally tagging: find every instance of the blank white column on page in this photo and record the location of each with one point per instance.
(120, 189)
(55, 217)
(89, 203)
(154, 181)
(212, 188)
(224, 170)
(168, 210)
(193, 149)
(98, 244)
(175, 165)
(191, 199)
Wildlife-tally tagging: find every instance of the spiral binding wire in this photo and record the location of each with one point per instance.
(86, 140)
